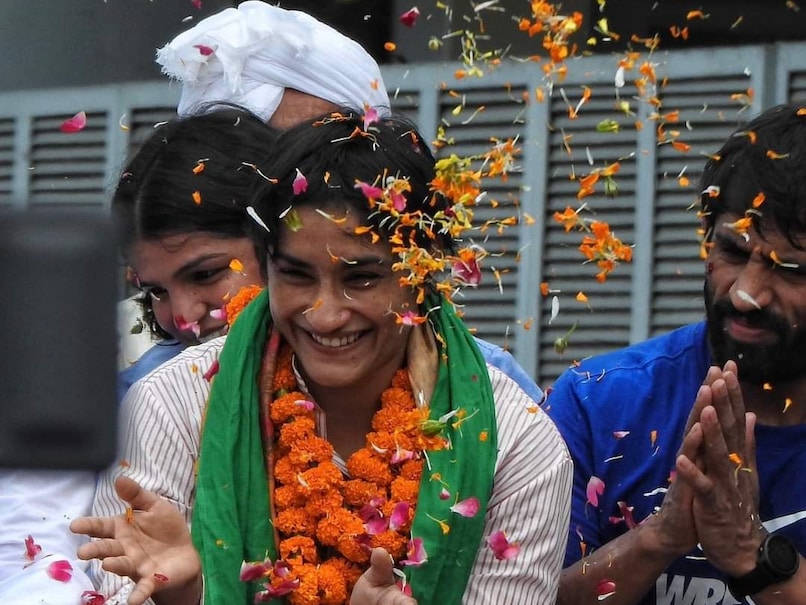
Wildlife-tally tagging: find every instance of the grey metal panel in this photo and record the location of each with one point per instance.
(660, 290)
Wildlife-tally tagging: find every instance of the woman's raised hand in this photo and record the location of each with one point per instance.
(150, 544)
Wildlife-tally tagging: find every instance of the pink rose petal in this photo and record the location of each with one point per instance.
(92, 597)
(467, 508)
(415, 555)
(503, 549)
(370, 191)
(254, 570)
(595, 489)
(204, 50)
(400, 515)
(300, 184)
(31, 549)
(409, 18)
(61, 571)
(74, 124)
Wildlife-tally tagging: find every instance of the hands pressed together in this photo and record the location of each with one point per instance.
(714, 499)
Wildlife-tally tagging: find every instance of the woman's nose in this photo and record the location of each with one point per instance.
(329, 312)
(187, 308)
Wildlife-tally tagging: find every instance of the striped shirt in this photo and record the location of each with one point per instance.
(160, 436)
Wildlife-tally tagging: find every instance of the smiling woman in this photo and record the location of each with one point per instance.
(351, 416)
(180, 211)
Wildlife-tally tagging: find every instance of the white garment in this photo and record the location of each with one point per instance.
(250, 54)
(530, 502)
(41, 504)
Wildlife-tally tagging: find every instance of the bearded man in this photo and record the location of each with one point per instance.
(688, 448)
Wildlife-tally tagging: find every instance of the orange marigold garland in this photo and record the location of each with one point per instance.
(237, 303)
(328, 524)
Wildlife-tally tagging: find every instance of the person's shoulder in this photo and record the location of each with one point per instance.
(686, 345)
(516, 410)
(190, 367)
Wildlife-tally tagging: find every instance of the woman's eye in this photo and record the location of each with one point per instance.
(291, 273)
(207, 274)
(156, 294)
(363, 280)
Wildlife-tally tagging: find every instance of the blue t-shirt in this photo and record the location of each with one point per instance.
(168, 349)
(623, 415)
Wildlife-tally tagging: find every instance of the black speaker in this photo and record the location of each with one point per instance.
(58, 341)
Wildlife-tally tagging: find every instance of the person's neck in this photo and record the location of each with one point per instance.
(779, 404)
(349, 411)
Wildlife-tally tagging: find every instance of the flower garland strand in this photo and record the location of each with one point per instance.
(328, 524)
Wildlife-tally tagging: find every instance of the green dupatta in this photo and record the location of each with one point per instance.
(231, 519)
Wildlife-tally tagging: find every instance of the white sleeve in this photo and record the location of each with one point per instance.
(41, 504)
(159, 444)
(530, 503)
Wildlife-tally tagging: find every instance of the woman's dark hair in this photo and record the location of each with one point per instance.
(766, 156)
(336, 152)
(192, 175)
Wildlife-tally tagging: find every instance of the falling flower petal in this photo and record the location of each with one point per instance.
(61, 571)
(212, 371)
(250, 210)
(370, 116)
(197, 199)
(620, 434)
(300, 184)
(187, 326)
(415, 555)
(204, 50)
(236, 265)
(409, 18)
(467, 508)
(502, 548)
(595, 489)
(466, 272)
(273, 592)
(604, 589)
(371, 192)
(254, 570)
(31, 549)
(220, 313)
(400, 515)
(196, 4)
(747, 298)
(74, 124)
(92, 597)
(305, 404)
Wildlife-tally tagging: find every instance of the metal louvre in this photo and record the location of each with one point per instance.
(476, 117)
(604, 323)
(658, 291)
(6, 158)
(707, 116)
(68, 169)
(142, 124)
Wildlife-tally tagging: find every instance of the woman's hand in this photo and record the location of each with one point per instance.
(150, 544)
(376, 586)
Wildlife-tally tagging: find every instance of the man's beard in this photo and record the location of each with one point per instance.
(783, 360)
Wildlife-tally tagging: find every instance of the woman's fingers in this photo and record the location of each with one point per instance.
(137, 497)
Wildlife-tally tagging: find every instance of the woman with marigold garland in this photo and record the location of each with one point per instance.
(401, 468)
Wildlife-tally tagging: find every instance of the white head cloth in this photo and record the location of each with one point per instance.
(258, 50)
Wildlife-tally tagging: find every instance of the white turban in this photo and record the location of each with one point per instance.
(250, 54)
